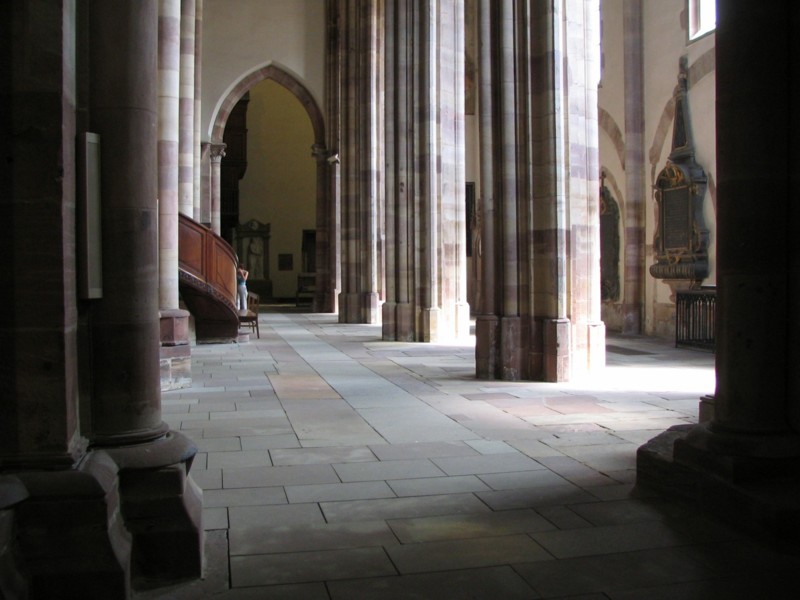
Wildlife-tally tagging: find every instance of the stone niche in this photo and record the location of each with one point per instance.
(681, 237)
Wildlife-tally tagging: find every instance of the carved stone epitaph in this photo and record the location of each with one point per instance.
(681, 238)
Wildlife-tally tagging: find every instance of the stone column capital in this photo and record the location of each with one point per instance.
(216, 151)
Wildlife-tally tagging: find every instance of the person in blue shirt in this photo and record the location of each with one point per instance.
(241, 286)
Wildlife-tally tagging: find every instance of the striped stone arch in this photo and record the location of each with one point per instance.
(327, 239)
(281, 77)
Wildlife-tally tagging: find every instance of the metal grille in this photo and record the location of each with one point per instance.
(695, 316)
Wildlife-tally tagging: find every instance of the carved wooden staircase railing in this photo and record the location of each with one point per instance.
(207, 280)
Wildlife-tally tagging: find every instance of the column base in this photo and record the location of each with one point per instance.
(596, 352)
(71, 535)
(760, 495)
(371, 309)
(162, 509)
(175, 356)
(556, 361)
(175, 367)
(487, 336)
(462, 321)
(349, 308)
(398, 322)
(429, 325)
(706, 408)
(12, 582)
(511, 349)
(737, 456)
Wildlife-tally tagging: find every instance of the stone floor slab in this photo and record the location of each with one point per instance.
(302, 567)
(492, 463)
(271, 476)
(465, 526)
(244, 496)
(397, 508)
(466, 553)
(310, 456)
(393, 469)
(246, 517)
(493, 583)
(429, 486)
(328, 492)
(306, 537)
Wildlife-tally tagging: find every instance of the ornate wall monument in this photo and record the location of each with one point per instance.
(681, 238)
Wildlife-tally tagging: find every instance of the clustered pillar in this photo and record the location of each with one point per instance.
(425, 213)
(538, 312)
(361, 144)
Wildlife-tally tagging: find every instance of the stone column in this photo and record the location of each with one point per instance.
(636, 193)
(581, 44)
(450, 194)
(332, 280)
(426, 236)
(198, 94)
(361, 161)
(550, 353)
(487, 322)
(539, 317)
(60, 525)
(168, 115)
(204, 216)
(175, 351)
(39, 412)
(216, 153)
(126, 406)
(323, 301)
(499, 346)
(187, 100)
(754, 431)
(742, 464)
(160, 503)
(507, 179)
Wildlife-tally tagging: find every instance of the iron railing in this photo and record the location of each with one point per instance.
(695, 317)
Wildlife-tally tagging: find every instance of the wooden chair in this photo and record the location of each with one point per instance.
(249, 317)
(306, 286)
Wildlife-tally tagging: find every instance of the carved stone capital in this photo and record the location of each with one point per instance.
(216, 151)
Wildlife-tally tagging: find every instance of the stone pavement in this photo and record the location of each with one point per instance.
(337, 466)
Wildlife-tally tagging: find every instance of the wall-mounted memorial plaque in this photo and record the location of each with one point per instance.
(681, 238)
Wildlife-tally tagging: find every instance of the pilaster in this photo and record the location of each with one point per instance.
(426, 222)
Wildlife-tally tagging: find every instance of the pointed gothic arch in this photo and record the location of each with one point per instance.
(326, 242)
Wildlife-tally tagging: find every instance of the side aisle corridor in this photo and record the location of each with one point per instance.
(337, 466)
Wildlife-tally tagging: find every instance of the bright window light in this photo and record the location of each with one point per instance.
(702, 17)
